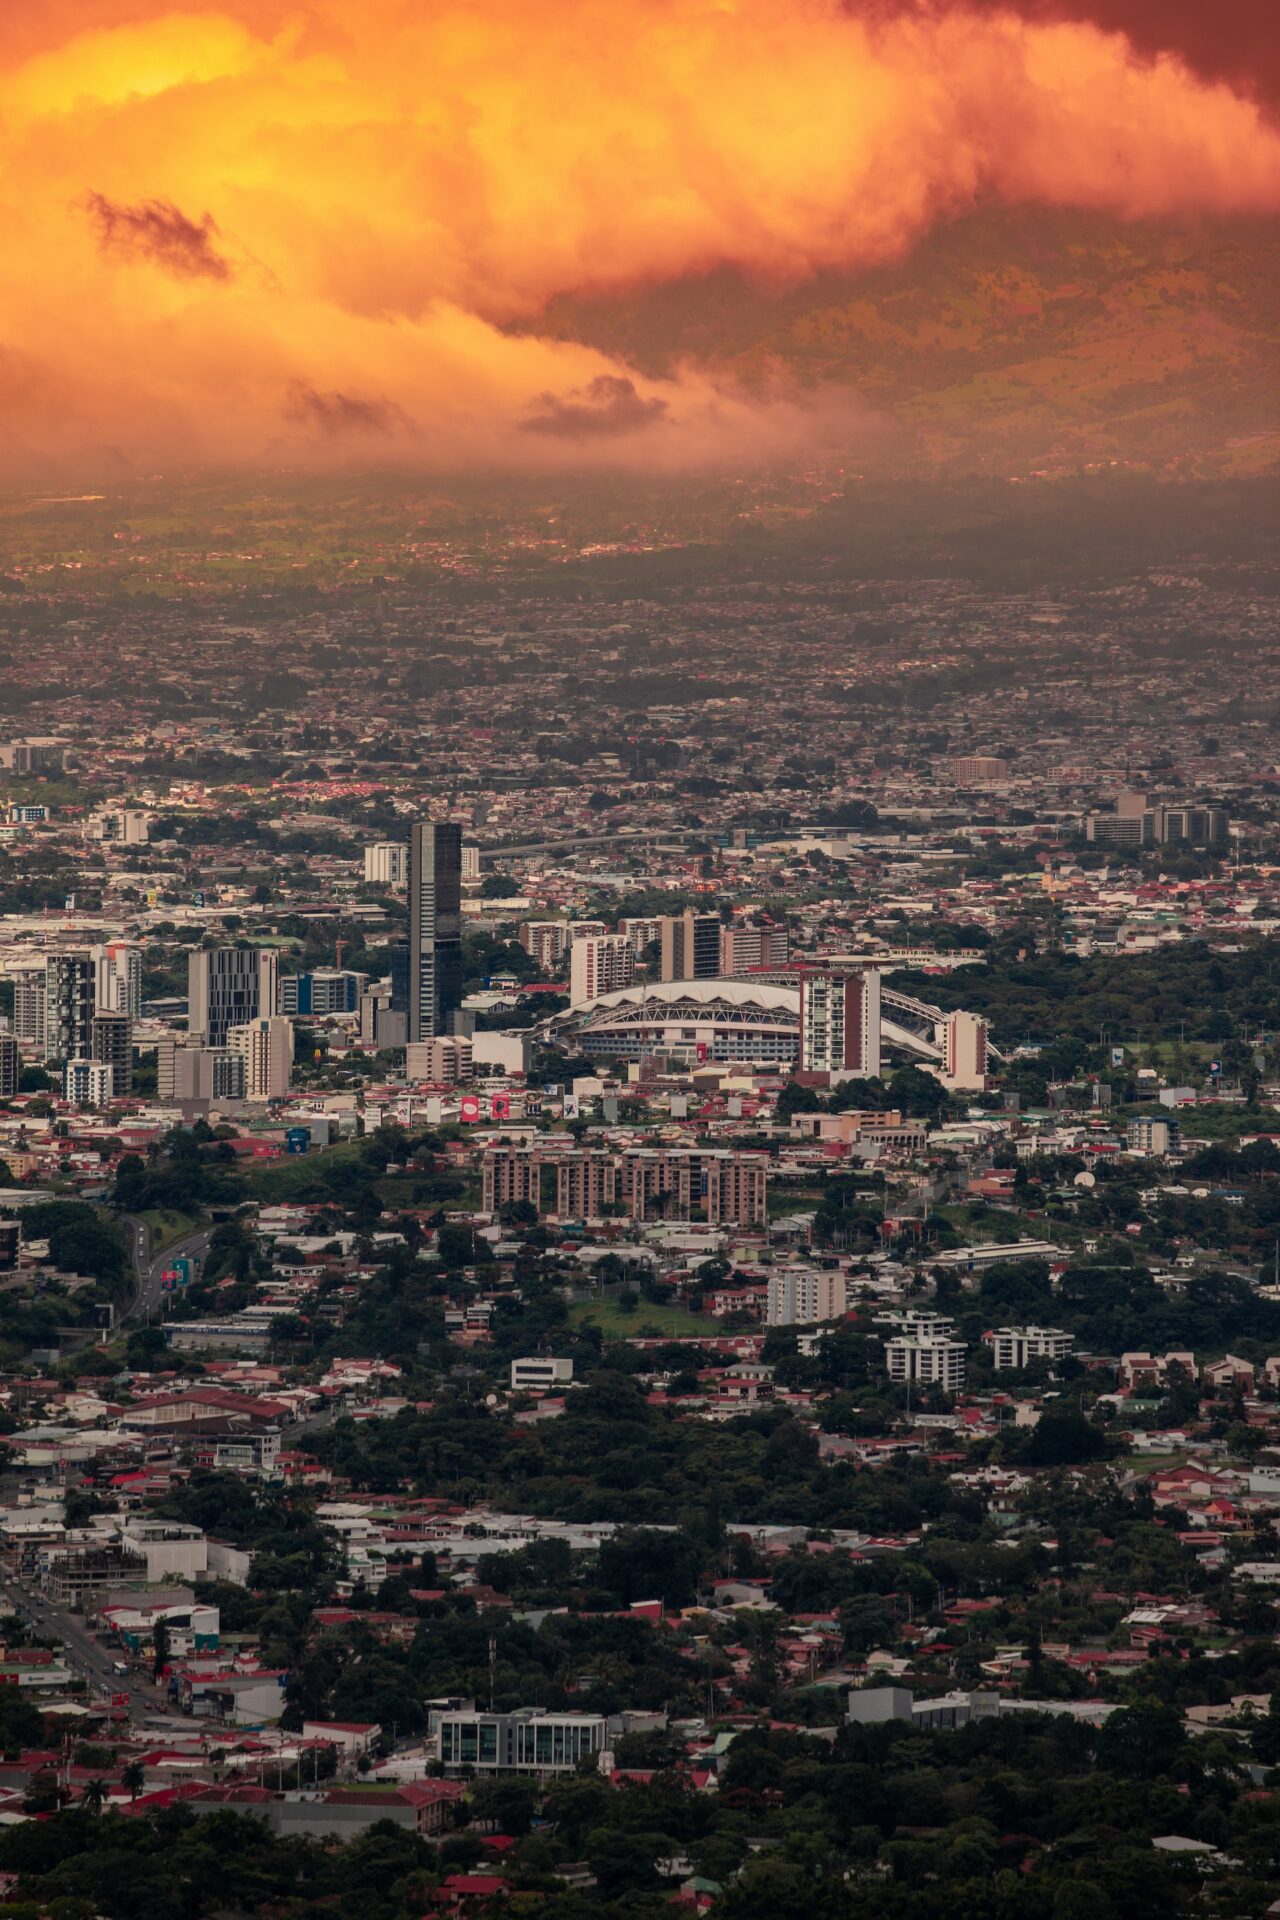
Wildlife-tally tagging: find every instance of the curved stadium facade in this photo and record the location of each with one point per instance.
(692, 1020)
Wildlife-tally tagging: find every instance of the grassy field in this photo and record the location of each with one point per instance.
(167, 1227)
(616, 1325)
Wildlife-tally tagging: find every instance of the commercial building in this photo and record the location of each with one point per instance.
(118, 978)
(386, 864)
(120, 827)
(69, 980)
(964, 1053)
(840, 1022)
(599, 963)
(228, 987)
(690, 945)
(111, 1043)
(327, 991)
(527, 1741)
(540, 1373)
(1013, 1348)
(804, 1296)
(44, 755)
(1158, 1136)
(926, 1361)
(188, 1073)
(1136, 822)
(435, 927)
(266, 1048)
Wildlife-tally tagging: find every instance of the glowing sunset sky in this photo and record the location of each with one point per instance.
(264, 231)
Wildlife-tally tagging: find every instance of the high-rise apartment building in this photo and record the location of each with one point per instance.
(118, 978)
(964, 1052)
(746, 948)
(641, 931)
(690, 946)
(111, 1045)
(1013, 1348)
(926, 1361)
(548, 941)
(327, 991)
(189, 1073)
(840, 1022)
(28, 1005)
(435, 927)
(386, 864)
(228, 987)
(600, 963)
(266, 1048)
(87, 1083)
(979, 770)
(470, 860)
(444, 1061)
(69, 980)
(10, 1066)
(805, 1296)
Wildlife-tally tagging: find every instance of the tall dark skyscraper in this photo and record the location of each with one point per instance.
(435, 927)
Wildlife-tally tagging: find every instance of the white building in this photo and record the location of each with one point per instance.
(1155, 1136)
(926, 1362)
(266, 1048)
(803, 1296)
(964, 1053)
(540, 1373)
(1013, 1348)
(470, 860)
(386, 864)
(28, 1004)
(120, 827)
(171, 1549)
(601, 963)
(88, 1083)
(118, 978)
(840, 1023)
(530, 1740)
(443, 1061)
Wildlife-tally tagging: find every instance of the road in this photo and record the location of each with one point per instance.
(148, 1299)
(85, 1655)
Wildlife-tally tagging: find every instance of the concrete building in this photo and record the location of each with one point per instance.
(188, 1073)
(444, 1061)
(69, 981)
(323, 993)
(804, 1296)
(10, 1066)
(747, 948)
(1013, 1348)
(228, 987)
(690, 945)
(599, 963)
(1154, 1135)
(435, 928)
(1136, 822)
(641, 931)
(266, 1048)
(111, 1043)
(979, 770)
(87, 1084)
(926, 1361)
(840, 1023)
(28, 1004)
(169, 1548)
(527, 1741)
(640, 1183)
(540, 1373)
(120, 827)
(386, 864)
(118, 978)
(548, 941)
(964, 1053)
(470, 860)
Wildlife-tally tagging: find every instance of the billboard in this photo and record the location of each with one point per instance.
(500, 1106)
(469, 1109)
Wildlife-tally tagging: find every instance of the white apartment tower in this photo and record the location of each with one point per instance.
(266, 1048)
(840, 1023)
(964, 1052)
(602, 963)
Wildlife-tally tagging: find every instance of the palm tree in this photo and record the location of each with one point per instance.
(134, 1777)
(95, 1795)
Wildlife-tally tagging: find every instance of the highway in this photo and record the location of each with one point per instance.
(148, 1299)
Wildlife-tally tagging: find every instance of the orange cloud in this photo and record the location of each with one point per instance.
(400, 188)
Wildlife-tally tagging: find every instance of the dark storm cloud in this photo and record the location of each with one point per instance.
(335, 413)
(604, 409)
(157, 230)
